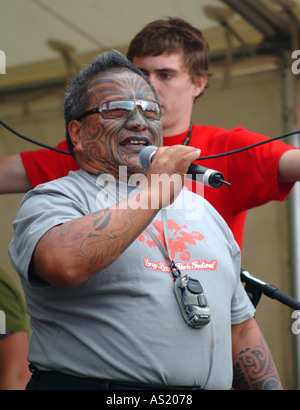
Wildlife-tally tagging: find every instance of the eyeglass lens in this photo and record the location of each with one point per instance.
(125, 108)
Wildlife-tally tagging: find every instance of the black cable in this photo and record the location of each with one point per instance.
(32, 141)
(250, 146)
(199, 159)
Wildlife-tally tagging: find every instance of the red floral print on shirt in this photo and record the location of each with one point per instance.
(178, 239)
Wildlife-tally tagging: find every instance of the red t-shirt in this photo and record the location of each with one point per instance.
(253, 173)
(45, 165)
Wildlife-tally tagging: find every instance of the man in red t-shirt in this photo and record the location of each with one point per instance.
(175, 57)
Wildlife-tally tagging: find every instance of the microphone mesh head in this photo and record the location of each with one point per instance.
(146, 156)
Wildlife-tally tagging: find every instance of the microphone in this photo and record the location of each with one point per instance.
(255, 287)
(211, 178)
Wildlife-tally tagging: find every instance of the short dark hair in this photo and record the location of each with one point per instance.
(173, 35)
(77, 95)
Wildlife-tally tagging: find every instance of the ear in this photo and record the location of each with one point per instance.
(75, 133)
(199, 83)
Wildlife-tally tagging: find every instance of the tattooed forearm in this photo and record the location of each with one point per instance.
(255, 369)
(72, 252)
(101, 222)
(100, 241)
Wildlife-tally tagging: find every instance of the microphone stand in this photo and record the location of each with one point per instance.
(256, 287)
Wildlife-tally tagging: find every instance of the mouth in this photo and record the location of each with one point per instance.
(135, 143)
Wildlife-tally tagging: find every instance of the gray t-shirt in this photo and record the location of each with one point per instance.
(124, 324)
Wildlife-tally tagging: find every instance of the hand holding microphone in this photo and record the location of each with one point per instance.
(166, 173)
(211, 178)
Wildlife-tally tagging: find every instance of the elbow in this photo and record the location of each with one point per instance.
(56, 270)
(64, 279)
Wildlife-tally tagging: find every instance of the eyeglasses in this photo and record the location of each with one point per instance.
(124, 109)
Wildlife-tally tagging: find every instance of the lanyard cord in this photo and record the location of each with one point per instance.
(187, 139)
(174, 269)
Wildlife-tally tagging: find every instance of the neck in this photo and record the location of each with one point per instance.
(90, 168)
(169, 132)
(170, 128)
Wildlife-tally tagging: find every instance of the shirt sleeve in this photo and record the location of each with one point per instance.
(44, 165)
(256, 168)
(41, 209)
(241, 306)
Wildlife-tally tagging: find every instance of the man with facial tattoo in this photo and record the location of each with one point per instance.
(123, 294)
(175, 56)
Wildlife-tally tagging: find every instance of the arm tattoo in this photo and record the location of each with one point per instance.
(255, 370)
(98, 242)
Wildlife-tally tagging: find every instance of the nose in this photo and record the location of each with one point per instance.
(137, 120)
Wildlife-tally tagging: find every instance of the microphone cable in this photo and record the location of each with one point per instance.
(32, 141)
(199, 159)
(289, 134)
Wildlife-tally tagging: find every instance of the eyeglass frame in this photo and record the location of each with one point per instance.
(98, 110)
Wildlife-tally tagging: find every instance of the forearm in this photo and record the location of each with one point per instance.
(14, 372)
(253, 365)
(71, 253)
(13, 177)
(289, 166)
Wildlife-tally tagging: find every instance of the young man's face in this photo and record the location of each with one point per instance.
(176, 90)
(105, 144)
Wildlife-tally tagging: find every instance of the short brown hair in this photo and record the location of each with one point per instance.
(173, 35)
